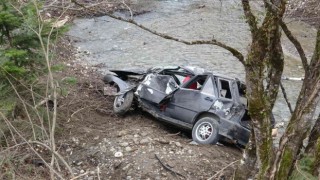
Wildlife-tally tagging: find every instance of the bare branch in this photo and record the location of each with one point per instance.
(232, 50)
(315, 60)
(251, 19)
(286, 97)
(131, 14)
(167, 167)
(297, 45)
(215, 175)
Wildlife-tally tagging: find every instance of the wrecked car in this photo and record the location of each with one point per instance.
(213, 107)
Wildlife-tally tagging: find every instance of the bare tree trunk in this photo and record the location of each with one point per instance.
(313, 137)
(316, 164)
(264, 67)
(247, 167)
(299, 125)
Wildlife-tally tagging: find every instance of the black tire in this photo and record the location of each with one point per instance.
(206, 131)
(122, 103)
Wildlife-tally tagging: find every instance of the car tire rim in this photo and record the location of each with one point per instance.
(119, 101)
(204, 131)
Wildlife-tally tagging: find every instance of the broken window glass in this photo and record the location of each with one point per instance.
(208, 88)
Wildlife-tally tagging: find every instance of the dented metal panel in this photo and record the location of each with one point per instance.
(156, 87)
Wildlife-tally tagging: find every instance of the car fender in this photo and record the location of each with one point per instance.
(122, 86)
(206, 114)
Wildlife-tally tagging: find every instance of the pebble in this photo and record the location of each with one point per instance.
(193, 143)
(126, 167)
(118, 154)
(144, 141)
(128, 149)
(178, 144)
(135, 140)
(124, 144)
(82, 171)
(122, 133)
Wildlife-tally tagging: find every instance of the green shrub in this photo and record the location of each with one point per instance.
(22, 58)
(303, 171)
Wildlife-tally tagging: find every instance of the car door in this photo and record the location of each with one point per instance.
(227, 105)
(196, 95)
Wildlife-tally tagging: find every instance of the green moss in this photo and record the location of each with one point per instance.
(286, 163)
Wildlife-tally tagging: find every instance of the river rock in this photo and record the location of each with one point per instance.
(124, 144)
(144, 141)
(118, 154)
(128, 149)
(178, 144)
(122, 133)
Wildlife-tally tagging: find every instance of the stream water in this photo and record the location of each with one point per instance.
(120, 45)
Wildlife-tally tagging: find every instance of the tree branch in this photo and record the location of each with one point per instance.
(251, 19)
(286, 97)
(232, 50)
(315, 60)
(297, 45)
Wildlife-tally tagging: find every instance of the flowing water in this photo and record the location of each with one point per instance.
(120, 45)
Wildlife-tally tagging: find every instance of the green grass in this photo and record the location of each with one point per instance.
(304, 169)
(70, 80)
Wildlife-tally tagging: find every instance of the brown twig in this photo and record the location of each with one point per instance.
(169, 135)
(168, 168)
(286, 97)
(217, 173)
(131, 14)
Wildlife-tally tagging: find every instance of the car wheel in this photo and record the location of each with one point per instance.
(206, 131)
(122, 103)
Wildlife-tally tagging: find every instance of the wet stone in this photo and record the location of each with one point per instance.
(144, 141)
(124, 144)
(178, 144)
(128, 149)
(122, 133)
